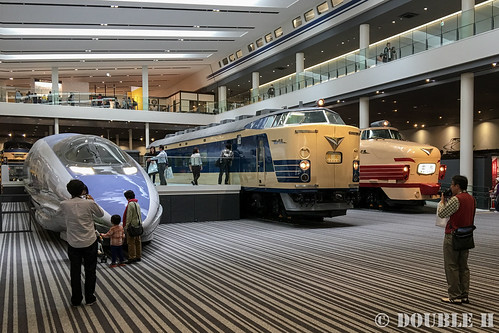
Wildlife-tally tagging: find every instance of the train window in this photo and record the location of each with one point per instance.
(231, 57)
(268, 38)
(225, 61)
(384, 133)
(251, 47)
(309, 15)
(297, 22)
(90, 151)
(323, 7)
(279, 120)
(334, 118)
(268, 122)
(239, 54)
(259, 42)
(308, 117)
(278, 32)
(337, 2)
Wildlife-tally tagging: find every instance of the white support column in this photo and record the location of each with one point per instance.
(467, 18)
(363, 112)
(255, 83)
(130, 139)
(56, 126)
(363, 45)
(55, 85)
(222, 99)
(147, 135)
(145, 88)
(466, 140)
(118, 140)
(300, 67)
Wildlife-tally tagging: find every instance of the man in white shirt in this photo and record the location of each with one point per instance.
(79, 213)
(162, 160)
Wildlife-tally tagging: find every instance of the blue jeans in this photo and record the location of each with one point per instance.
(116, 253)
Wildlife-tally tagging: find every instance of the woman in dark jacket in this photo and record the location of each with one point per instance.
(152, 152)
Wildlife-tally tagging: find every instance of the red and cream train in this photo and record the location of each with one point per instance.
(394, 171)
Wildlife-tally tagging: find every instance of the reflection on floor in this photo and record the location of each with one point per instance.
(253, 276)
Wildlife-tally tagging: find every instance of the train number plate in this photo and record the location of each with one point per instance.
(333, 157)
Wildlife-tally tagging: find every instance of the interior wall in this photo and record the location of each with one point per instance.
(446, 138)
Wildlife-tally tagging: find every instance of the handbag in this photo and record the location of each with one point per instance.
(462, 238)
(441, 222)
(218, 163)
(153, 168)
(169, 173)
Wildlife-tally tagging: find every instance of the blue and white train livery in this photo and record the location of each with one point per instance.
(106, 170)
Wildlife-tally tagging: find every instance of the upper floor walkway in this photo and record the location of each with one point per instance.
(462, 42)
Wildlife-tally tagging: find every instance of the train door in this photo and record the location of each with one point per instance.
(260, 162)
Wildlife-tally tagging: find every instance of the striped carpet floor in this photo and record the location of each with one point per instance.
(255, 276)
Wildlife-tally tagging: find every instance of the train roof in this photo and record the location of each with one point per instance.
(225, 126)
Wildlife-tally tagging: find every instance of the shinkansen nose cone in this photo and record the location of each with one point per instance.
(106, 170)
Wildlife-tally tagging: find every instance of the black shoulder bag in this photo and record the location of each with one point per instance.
(138, 230)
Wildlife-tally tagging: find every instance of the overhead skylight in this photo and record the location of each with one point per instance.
(46, 32)
(215, 3)
(102, 56)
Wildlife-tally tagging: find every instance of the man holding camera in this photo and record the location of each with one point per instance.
(460, 209)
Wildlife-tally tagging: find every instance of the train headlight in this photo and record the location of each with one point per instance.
(426, 168)
(442, 170)
(130, 170)
(304, 165)
(356, 165)
(82, 170)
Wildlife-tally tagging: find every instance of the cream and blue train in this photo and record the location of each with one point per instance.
(106, 170)
(289, 162)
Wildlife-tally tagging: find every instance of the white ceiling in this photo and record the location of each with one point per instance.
(174, 38)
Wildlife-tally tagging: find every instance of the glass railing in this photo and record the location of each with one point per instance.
(182, 175)
(484, 17)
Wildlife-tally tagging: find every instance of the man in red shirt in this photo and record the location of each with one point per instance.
(460, 209)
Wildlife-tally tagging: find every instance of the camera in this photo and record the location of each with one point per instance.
(447, 193)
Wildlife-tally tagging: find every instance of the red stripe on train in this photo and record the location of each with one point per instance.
(426, 189)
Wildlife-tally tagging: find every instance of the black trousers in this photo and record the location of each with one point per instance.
(87, 256)
(224, 168)
(161, 170)
(196, 172)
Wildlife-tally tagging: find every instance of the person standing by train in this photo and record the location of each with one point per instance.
(152, 152)
(195, 165)
(131, 216)
(226, 157)
(162, 160)
(78, 212)
(461, 209)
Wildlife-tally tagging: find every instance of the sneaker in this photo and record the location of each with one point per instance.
(465, 300)
(113, 265)
(192, 182)
(138, 259)
(92, 303)
(122, 264)
(451, 300)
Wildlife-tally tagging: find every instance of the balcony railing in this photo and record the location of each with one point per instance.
(484, 17)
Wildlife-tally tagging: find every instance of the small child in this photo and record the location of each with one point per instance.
(116, 234)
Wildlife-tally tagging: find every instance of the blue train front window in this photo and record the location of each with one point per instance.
(90, 150)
